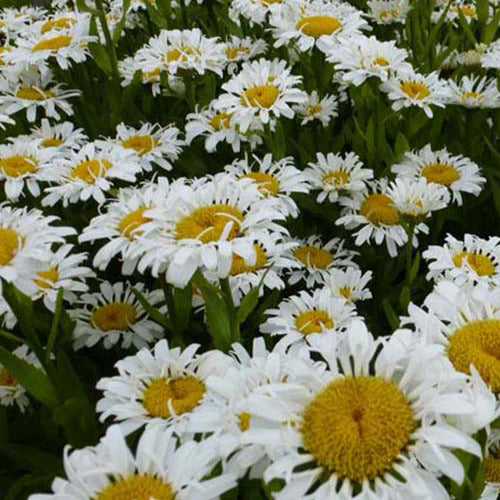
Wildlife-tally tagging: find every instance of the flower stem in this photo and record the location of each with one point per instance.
(228, 299)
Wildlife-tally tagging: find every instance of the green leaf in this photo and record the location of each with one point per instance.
(391, 316)
(250, 301)
(183, 300)
(100, 56)
(31, 378)
(465, 25)
(55, 323)
(414, 267)
(217, 315)
(27, 484)
(119, 27)
(401, 145)
(31, 458)
(153, 313)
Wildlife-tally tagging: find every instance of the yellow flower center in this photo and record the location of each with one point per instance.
(7, 379)
(391, 13)
(346, 292)
(3, 50)
(88, 171)
(183, 394)
(314, 110)
(62, 23)
(244, 421)
(53, 142)
(379, 209)
(317, 26)
(138, 487)
(131, 222)
(114, 316)
(234, 52)
(15, 166)
(239, 267)
(267, 184)
(151, 76)
(182, 54)
(478, 344)
(337, 178)
(357, 427)
(267, 3)
(53, 44)
(9, 245)
(492, 469)
(46, 279)
(261, 96)
(481, 264)
(34, 94)
(141, 144)
(465, 96)
(467, 10)
(313, 322)
(209, 223)
(380, 61)
(416, 90)
(221, 120)
(441, 173)
(314, 257)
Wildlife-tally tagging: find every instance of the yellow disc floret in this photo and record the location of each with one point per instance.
(53, 44)
(114, 316)
(239, 267)
(416, 90)
(7, 379)
(46, 279)
(317, 26)
(314, 257)
(129, 225)
(314, 321)
(379, 209)
(338, 178)
(15, 166)
(33, 94)
(261, 96)
(481, 264)
(9, 245)
(266, 183)
(88, 171)
(141, 144)
(441, 173)
(138, 487)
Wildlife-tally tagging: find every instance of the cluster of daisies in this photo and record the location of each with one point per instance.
(315, 406)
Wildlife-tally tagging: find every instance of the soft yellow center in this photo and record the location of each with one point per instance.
(239, 267)
(261, 96)
(244, 421)
(34, 94)
(346, 292)
(481, 264)
(314, 109)
(221, 120)
(391, 13)
(114, 316)
(90, 170)
(9, 245)
(142, 144)
(151, 76)
(3, 50)
(53, 44)
(314, 257)
(183, 394)
(7, 379)
(15, 166)
(53, 142)
(357, 427)
(492, 469)
(441, 173)
(181, 54)
(465, 96)
(467, 10)
(478, 344)
(209, 223)
(380, 61)
(131, 222)
(337, 178)
(62, 23)
(267, 184)
(313, 322)
(139, 487)
(317, 26)
(416, 90)
(379, 209)
(233, 53)
(46, 279)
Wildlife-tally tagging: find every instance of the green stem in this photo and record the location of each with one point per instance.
(11, 336)
(228, 299)
(409, 253)
(172, 313)
(184, 13)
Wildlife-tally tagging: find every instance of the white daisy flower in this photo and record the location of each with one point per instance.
(414, 89)
(25, 241)
(163, 385)
(157, 470)
(205, 225)
(218, 127)
(11, 391)
(308, 314)
(375, 211)
(263, 89)
(151, 143)
(315, 260)
(62, 269)
(7, 318)
(349, 283)
(128, 68)
(490, 58)
(174, 50)
(61, 21)
(22, 166)
(472, 57)
(114, 315)
(492, 467)
(388, 11)
(371, 424)
(467, 9)
(471, 260)
(457, 173)
(274, 179)
(120, 221)
(475, 92)
(333, 175)
(315, 108)
(90, 172)
(32, 91)
(360, 58)
(239, 50)
(254, 11)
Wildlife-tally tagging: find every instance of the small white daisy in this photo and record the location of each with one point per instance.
(333, 175)
(492, 467)
(490, 58)
(89, 173)
(388, 11)
(472, 259)
(314, 260)
(128, 68)
(474, 92)
(457, 173)
(114, 315)
(263, 89)
(239, 50)
(349, 284)
(314, 108)
(254, 11)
